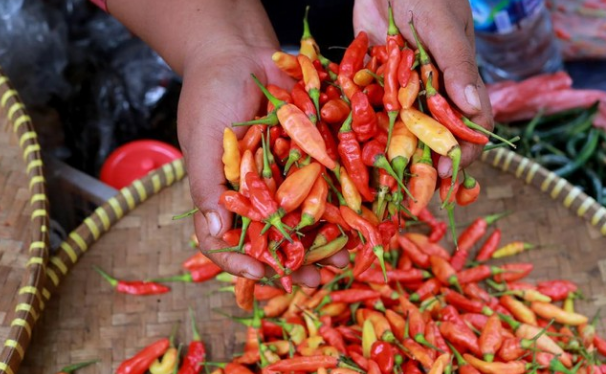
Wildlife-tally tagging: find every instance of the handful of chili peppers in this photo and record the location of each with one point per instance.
(344, 159)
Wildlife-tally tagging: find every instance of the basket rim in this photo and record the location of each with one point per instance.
(28, 303)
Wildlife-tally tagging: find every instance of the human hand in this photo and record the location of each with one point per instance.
(445, 28)
(218, 90)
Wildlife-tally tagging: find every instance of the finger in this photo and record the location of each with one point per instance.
(231, 262)
(307, 276)
(339, 259)
(469, 153)
(371, 17)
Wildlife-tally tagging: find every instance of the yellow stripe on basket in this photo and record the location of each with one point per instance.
(39, 213)
(35, 261)
(78, 240)
(572, 195)
(128, 196)
(37, 197)
(46, 293)
(521, 167)
(170, 176)
(507, 161)
(3, 80)
(37, 245)
(558, 188)
(24, 118)
(33, 164)
(598, 216)
(550, 177)
(34, 291)
(103, 217)
(531, 173)
(603, 229)
(156, 183)
(180, 171)
(25, 307)
(67, 248)
(13, 109)
(35, 180)
(43, 228)
(115, 204)
(26, 136)
(585, 205)
(497, 157)
(140, 190)
(30, 149)
(22, 323)
(7, 95)
(5, 368)
(11, 343)
(92, 226)
(59, 264)
(53, 276)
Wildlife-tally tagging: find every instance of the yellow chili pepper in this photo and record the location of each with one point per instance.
(334, 309)
(436, 136)
(368, 337)
(532, 295)
(279, 347)
(550, 311)
(569, 303)
(402, 147)
(311, 80)
(408, 95)
(168, 363)
(439, 365)
(512, 248)
(350, 192)
(309, 47)
(288, 64)
(231, 157)
(312, 323)
(277, 305)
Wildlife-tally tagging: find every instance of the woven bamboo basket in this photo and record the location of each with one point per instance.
(84, 319)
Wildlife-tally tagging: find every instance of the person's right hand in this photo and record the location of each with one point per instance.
(218, 90)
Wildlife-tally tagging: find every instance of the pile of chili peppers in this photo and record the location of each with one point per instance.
(345, 160)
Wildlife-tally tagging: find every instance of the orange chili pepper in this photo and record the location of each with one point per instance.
(407, 95)
(247, 164)
(363, 77)
(314, 204)
(469, 190)
(436, 136)
(335, 111)
(288, 64)
(512, 367)
(295, 188)
(300, 129)
(401, 149)
(491, 338)
(311, 80)
(428, 247)
(244, 291)
(519, 310)
(309, 47)
(348, 86)
(549, 311)
(422, 182)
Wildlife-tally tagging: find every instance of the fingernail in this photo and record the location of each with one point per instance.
(444, 167)
(472, 97)
(214, 223)
(248, 275)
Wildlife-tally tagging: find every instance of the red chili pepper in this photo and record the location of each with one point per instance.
(489, 247)
(473, 291)
(329, 139)
(442, 111)
(417, 256)
(374, 275)
(199, 259)
(195, 275)
(459, 259)
(351, 157)
(476, 274)
(429, 288)
(139, 363)
(391, 86)
(364, 119)
(557, 290)
(251, 139)
(348, 87)
(474, 232)
(373, 155)
(380, 52)
(280, 93)
(381, 352)
(332, 214)
(258, 239)
(600, 344)
(407, 59)
(263, 201)
(305, 364)
(295, 254)
(302, 100)
(511, 349)
(196, 352)
(335, 111)
(475, 320)
(353, 59)
(491, 338)
(464, 304)
(134, 287)
(263, 292)
(460, 337)
(513, 272)
(295, 188)
(375, 93)
(333, 337)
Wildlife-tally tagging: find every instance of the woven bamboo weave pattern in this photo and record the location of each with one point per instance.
(87, 320)
(24, 219)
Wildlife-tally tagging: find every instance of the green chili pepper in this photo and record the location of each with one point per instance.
(584, 155)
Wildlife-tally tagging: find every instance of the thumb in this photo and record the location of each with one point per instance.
(211, 98)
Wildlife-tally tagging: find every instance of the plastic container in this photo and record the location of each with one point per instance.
(514, 39)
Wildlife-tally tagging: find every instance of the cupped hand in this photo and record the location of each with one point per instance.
(445, 28)
(217, 91)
